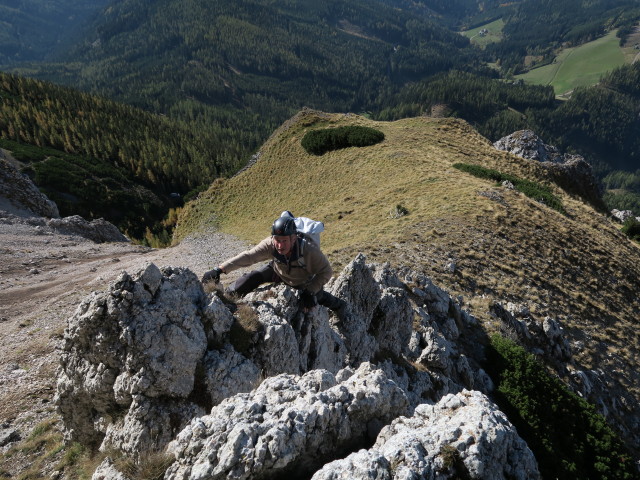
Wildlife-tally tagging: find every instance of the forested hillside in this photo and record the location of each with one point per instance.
(235, 70)
(455, 14)
(535, 28)
(99, 158)
(229, 72)
(32, 30)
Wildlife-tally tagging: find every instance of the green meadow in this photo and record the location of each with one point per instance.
(580, 66)
(494, 33)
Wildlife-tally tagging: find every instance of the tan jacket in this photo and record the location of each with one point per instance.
(310, 271)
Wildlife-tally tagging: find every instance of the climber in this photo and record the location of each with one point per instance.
(295, 259)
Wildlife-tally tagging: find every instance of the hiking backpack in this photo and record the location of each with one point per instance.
(311, 228)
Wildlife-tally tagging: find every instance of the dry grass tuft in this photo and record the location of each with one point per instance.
(244, 328)
(150, 467)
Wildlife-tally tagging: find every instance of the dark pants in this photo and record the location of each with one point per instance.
(265, 274)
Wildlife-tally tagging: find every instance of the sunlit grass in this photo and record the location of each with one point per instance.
(580, 66)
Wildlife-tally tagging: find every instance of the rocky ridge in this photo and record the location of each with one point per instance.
(572, 172)
(157, 364)
(232, 364)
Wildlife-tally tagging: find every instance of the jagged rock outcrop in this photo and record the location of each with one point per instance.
(571, 172)
(289, 425)
(462, 436)
(129, 360)
(542, 337)
(623, 215)
(23, 196)
(266, 390)
(526, 144)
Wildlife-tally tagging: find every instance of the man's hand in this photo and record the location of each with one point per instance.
(308, 300)
(212, 275)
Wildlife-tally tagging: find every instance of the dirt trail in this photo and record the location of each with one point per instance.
(43, 278)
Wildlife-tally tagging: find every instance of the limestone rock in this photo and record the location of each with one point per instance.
(526, 144)
(125, 349)
(289, 425)
(462, 436)
(380, 316)
(571, 172)
(622, 215)
(97, 230)
(228, 372)
(263, 390)
(107, 471)
(287, 340)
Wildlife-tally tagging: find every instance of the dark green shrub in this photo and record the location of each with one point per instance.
(530, 189)
(567, 436)
(318, 142)
(26, 152)
(94, 188)
(631, 228)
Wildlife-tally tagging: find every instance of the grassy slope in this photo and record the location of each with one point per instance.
(581, 66)
(577, 268)
(494, 35)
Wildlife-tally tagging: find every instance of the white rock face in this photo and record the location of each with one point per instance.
(380, 316)
(128, 351)
(288, 425)
(267, 391)
(462, 436)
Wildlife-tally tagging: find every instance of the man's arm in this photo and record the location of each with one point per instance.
(262, 251)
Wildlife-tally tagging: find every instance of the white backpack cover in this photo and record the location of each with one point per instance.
(312, 228)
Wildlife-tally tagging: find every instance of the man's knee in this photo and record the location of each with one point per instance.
(252, 280)
(330, 301)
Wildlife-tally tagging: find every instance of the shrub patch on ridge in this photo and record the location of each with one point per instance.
(318, 142)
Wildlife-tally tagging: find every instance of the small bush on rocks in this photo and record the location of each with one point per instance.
(631, 229)
(245, 326)
(566, 434)
(530, 189)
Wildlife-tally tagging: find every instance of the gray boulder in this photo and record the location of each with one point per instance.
(289, 425)
(99, 230)
(462, 436)
(571, 172)
(526, 144)
(125, 353)
(623, 215)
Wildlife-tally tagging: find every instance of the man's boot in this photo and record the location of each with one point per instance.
(337, 305)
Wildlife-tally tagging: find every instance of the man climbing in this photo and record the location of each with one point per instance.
(295, 259)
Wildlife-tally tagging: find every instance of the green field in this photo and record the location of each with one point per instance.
(580, 66)
(494, 33)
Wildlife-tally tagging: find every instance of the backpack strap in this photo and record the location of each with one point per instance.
(302, 243)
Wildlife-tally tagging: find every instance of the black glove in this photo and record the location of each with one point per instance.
(308, 300)
(212, 275)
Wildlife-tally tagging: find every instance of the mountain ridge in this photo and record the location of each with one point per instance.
(484, 243)
(507, 263)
